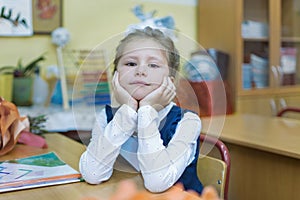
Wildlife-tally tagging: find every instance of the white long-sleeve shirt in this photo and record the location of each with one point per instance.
(161, 166)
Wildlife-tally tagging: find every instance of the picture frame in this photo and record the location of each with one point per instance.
(46, 15)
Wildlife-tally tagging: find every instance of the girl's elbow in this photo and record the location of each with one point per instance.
(156, 185)
(92, 179)
(93, 174)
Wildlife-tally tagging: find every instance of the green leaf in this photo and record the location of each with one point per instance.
(2, 11)
(29, 69)
(18, 17)
(21, 70)
(7, 69)
(23, 21)
(37, 124)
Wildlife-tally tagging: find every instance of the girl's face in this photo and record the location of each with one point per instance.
(142, 67)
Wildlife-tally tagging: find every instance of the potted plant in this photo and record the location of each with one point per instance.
(23, 80)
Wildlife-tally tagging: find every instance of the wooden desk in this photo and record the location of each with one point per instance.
(70, 151)
(265, 153)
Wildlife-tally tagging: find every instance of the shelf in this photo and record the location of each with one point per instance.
(290, 39)
(282, 90)
(262, 39)
(266, 39)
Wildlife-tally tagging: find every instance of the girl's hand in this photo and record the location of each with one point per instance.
(121, 95)
(160, 97)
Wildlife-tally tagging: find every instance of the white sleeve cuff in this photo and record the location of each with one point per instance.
(121, 127)
(126, 118)
(148, 122)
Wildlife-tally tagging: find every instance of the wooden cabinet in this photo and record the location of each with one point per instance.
(249, 29)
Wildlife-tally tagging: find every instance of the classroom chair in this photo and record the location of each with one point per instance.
(287, 109)
(215, 171)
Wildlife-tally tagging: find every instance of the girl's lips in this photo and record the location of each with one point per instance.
(139, 83)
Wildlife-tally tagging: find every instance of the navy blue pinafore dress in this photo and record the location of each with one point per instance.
(167, 128)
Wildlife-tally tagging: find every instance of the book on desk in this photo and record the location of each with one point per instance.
(36, 171)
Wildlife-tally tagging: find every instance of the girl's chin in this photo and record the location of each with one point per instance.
(140, 92)
(139, 95)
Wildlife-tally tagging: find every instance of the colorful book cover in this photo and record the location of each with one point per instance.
(36, 171)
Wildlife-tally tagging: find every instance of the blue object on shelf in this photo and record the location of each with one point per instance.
(247, 76)
(57, 94)
(260, 70)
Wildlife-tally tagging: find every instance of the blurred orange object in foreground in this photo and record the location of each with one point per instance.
(127, 190)
(12, 125)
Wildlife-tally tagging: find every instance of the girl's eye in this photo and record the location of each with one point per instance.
(153, 65)
(130, 64)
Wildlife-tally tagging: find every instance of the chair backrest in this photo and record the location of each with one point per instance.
(288, 109)
(214, 171)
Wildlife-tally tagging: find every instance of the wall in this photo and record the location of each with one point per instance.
(92, 22)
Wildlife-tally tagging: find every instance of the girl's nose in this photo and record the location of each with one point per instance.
(141, 70)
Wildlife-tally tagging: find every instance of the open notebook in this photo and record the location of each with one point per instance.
(36, 171)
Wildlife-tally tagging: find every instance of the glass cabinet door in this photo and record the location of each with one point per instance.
(289, 68)
(271, 45)
(256, 45)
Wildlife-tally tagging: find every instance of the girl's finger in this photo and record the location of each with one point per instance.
(165, 82)
(173, 95)
(117, 83)
(171, 87)
(115, 74)
(163, 85)
(172, 84)
(114, 79)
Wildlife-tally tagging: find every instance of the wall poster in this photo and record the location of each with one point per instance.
(16, 18)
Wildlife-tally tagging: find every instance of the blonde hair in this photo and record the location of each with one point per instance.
(156, 35)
